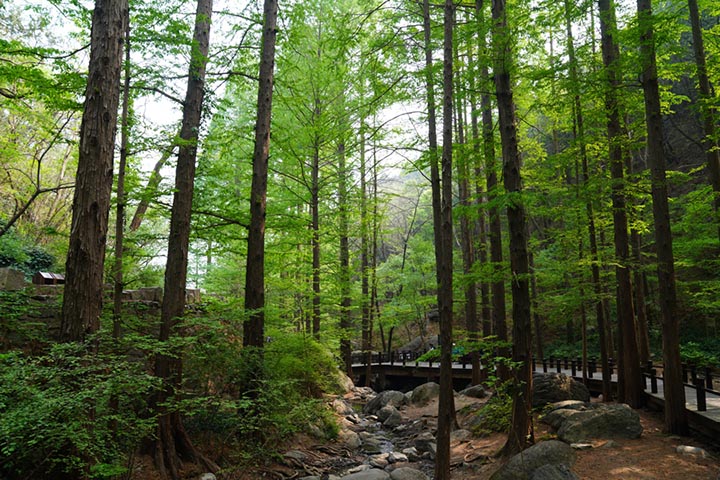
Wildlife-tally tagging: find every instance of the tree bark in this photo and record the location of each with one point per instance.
(345, 273)
(497, 287)
(521, 429)
(83, 298)
(172, 442)
(674, 390)
(630, 380)
(446, 407)
(254, 325)
(710, 143)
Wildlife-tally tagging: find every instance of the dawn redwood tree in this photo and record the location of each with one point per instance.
(674, 390)
(444, 242)
(497, 287)
(579, 123)
(630, 387)
(710, 142)
(520, 435)
(82, 301)
(172, 442)
(254, 325)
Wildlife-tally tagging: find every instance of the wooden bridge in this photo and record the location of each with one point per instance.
(702, 400)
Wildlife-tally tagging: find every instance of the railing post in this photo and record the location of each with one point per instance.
(708, 378)
(693, 374)
(684, 373)
(700, 390)
(558, 365)
(544, 362)
(653, 381)
(573, 367)
(591, 368)
(403, 356)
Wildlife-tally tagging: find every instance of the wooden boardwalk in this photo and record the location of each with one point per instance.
(707, 422)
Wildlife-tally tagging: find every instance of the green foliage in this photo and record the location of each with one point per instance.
(700, 354)
(55, 415)
(23, 254)
(16, 324)
(495, 415)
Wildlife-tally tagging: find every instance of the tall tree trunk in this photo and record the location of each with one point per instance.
(315, 228)
(446, 407)
(254, 325)
(345, 274)
(83, 298)
(594, 266)
(629, 375)
(172, 441)
(121, 197)
(521, 429)
(675, 415)
(499, 324)
(366, 321)
(710, 142)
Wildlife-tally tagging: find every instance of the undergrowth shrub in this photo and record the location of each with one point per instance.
(55, 414)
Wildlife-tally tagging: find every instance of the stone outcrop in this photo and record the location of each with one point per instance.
(580, 423)
(556, 387)
(524, 465)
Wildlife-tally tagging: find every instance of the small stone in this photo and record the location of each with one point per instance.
(412, 454)
(379, 461)
(396, 457)
(207, 476)
(296, 455)
(406, 473)
(691, 451)
(460, 435)
(359, 468)
(582, 446)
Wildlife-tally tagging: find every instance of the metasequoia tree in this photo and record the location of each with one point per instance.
(629, 375)
(172, 442)
(253, 328)
(444, 243)
(674, 390)
(521, 428)
(82, 301)
(710, 142)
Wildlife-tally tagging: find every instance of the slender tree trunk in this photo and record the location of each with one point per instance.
(172, 442)
(365, 258)
(537, 319)
(630, 380)
(83, 298)
(594, 266)
(710, 142)
(121, 197)
(521, 429)
(254, 325)
(344, 277)
(315, 228)
(446, 407)
(675, 415)
(499, 324)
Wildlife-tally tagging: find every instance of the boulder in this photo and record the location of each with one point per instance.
(372, 474)
(394, 419)
(350, 439)
(423, 394)
(554, 472)
(11, 279)
(396, 457)
(556, 387)
(207, 476)
(406, 473)
(460, 435)
(476, 391)
(423, 441)
(412, 454)
(523, 465)
(385, 412)
(601, 421)
(388, 397)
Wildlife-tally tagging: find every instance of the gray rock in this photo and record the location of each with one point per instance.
(460, 435)
(207, 476)
(11, 279)
(609, 444)
(522, 465)
(424, 441)
(476, 391)
(342, 407)
(372, 474)
(556, 387)
(379, 461)
(412, 454)
(396, 457)
(557, 417)
(423, 394)
(350, 439)
(394, 419)
(554, 472)
(582, 446)
(295, 455)
(359, 468)
(388, 397)
(406, 473)
(601, 421)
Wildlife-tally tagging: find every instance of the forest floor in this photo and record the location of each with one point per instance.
(651, 457)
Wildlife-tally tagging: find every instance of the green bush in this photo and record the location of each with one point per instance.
(695, 353)
(495, 416)
(55, 414)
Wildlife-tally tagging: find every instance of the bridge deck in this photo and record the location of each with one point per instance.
(707, 421)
